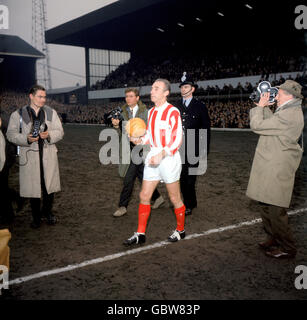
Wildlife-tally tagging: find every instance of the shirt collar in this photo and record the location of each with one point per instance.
(134, 110)
(34, 114)
(187, 101)
(163, 106)
(283, 105)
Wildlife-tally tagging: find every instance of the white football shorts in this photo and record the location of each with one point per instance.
(168, 171)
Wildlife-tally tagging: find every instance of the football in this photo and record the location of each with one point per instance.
(136, 127)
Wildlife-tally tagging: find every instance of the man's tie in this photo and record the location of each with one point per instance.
(130, 113)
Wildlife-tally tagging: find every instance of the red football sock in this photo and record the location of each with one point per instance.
(180, 215)
(144, 212)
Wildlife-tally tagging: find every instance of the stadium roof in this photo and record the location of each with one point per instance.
(64, 90)
(15, 46)
(129, 25)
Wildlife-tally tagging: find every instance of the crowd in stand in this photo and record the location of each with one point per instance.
(143, 71)
(224, 113)
(240, 89)
(232, 114)
(90, 114)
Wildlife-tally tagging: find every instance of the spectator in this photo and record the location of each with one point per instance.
(222, 113)
(239, 63)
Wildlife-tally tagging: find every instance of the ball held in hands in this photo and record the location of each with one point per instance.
(135, 127)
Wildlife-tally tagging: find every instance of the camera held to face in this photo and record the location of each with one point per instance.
(114, 114)
(263, 87)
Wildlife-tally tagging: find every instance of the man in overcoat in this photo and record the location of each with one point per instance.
(38, 160)
(276, 160)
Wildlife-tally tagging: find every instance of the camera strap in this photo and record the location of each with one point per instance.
(20, 120)
(20, 128)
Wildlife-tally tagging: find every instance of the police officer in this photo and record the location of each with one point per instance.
(195, 116)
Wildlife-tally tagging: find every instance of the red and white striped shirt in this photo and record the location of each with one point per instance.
(164, 129)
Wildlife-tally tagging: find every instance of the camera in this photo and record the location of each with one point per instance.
(113, 114)
(37, 128)
(116, 114)
(264, 86)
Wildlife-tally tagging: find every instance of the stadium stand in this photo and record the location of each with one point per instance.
(240, 63)
(225, 112)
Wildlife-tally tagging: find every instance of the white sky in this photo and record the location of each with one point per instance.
(68, 58)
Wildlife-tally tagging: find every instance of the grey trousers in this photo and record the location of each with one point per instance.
(276, 225)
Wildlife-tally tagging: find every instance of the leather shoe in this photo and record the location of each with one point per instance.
(280, 254)
(51, 219)
(188, 212)
(120, 212)
(158, 202)
(266, 245)
(137, 238)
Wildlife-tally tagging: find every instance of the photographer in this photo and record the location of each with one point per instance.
(276, 160)
(133, 108)
(36, 129)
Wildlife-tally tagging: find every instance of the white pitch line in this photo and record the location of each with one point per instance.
(137, 250)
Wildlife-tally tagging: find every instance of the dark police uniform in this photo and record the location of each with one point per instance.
(194, 116)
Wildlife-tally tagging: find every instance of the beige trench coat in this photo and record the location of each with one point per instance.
(29, 170)
(2, 151)
(278, 153)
